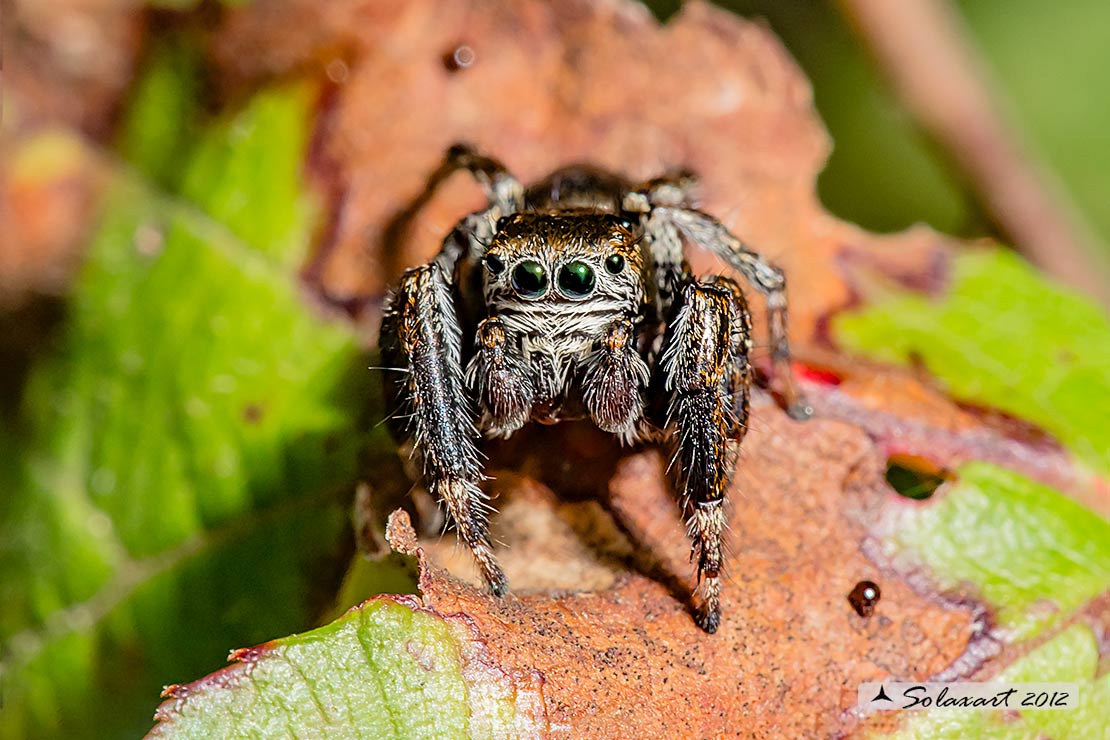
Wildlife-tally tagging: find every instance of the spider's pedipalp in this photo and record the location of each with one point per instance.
(615, 381)
(500, 379)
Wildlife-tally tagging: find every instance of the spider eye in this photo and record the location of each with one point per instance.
(576, 279)
(494, 264)
(614, 263)
(530, 279)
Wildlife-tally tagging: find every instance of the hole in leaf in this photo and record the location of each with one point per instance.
(915, 477)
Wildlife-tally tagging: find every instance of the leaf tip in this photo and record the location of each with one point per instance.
(400, 533)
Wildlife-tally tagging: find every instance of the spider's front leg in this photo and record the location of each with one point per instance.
(668, 217)
(420, 332)
(706, 370)
(504, 192)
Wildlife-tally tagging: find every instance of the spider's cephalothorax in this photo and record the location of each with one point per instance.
(573, 299)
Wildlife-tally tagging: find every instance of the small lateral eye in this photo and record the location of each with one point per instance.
(576, 279)
(494, 264)
(614, 263)
(530, 279)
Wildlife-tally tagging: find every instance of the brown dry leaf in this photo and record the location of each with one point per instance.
(602, 615)
(70, 61)
(627, 661)
(552, 84)
(599, 609)
(68, 64)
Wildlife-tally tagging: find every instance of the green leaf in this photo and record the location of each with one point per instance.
(1032, 554)
(385, 669)
(1048, 93)
(1002, 336)
(878, 147)
(1071, 656)
(178, 478)
(162, 115)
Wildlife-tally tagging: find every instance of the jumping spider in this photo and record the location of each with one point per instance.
(572, 299)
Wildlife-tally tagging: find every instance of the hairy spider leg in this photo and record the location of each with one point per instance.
(709, 233)
(504, 192)
(668, 203)
(740, 379)
(675, 189)
(671, 271)
(421, 332)
(706, 356)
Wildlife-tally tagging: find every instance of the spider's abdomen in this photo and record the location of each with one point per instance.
(577, 186)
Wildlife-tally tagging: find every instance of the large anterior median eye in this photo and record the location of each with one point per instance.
(576, 279)
(530, 279)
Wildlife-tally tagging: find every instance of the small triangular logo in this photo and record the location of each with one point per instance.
(882, 695)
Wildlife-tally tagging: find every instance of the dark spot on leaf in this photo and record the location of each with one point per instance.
(915, 477)
(864, 597)
(458, 58)
(338, 71)
(252, 413)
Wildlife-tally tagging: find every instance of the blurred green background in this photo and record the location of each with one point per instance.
(1050, 62)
